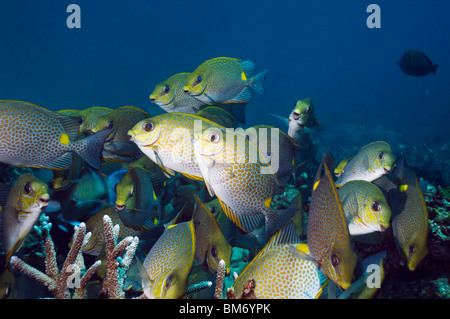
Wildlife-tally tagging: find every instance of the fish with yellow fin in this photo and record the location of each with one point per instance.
(365, 207)
(327, 230)
(225, 80)
(88, 117)
(33, 136)
(167, 140)
(118, 147)
(370, 162)
(169, 262)
(21, 206)
(136, 200)
(410, 222)
(241, 177)
(211, 244)
(279, 274)
(170, 97)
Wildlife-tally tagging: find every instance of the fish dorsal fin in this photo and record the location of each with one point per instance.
(328, 160)
(249, 68)
(71, 125)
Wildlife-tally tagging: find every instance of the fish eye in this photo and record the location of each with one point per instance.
(334, 260)
(166, 89)
(381, 155)
(198, 80)
(376, 207)
(110, 124)
(307, 110)
(412, 248)
(148, 126)
(27, 188)
(214, 138)
(212, 209)
(81, 120)
(169, 280)
(131, 192)
(214, 252)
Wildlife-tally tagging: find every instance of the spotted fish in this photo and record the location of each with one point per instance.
(118, 147)
(136, 201)
(211, 244)
(410, 224)
(169, 262)
(241, 177)
(370, 162)
(95, 225)
(20, 208)
(167, 140)
(33, 136)
(169, 96)
(365, 207)
(280, 275)
(327, 230)
(224, 80)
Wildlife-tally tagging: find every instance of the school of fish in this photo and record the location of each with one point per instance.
(193, 185)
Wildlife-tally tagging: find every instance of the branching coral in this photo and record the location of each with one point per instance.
(248, 291)
(70, 276)
(116, 267)
(59, 282)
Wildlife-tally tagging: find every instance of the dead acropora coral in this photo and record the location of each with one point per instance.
(70, 276)
(60, 282)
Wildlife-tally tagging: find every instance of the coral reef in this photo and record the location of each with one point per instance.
(70, 276)
(73, 274)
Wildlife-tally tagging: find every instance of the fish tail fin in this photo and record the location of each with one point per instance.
(434, 67)
(257, 82)
(90, 148)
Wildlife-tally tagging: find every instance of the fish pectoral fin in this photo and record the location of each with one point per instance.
(297, 253)
(166, 171)
(281, 118)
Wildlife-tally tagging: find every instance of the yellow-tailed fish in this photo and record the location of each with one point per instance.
(211, 245)
(224, 80)
(365, 207)
(136, 200)
(410, 224)
(24, 203)
(279, 274)
(167, 140)
(169, 96)
(327, 230)
(370, 162)
(169, 262)
(95, 225)
(241, 177)
(118, 147)
(33, 136)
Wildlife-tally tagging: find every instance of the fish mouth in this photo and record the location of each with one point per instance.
(386, 170)
(44, 201)
(138, 142)
(120, 207)
(295, 115)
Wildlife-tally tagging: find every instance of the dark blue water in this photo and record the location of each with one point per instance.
(318, 49)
